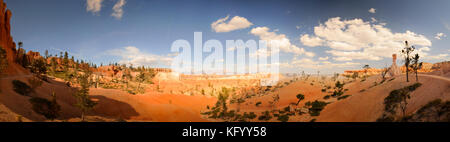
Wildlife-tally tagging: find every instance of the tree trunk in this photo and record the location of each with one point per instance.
(417, 78)
(407, 79)
(82, 116)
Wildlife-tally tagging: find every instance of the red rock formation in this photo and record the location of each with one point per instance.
(6, 41)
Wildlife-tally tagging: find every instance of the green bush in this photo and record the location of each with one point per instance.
(21, 88)
(343, 97)
(397, 98)
(49, 109)
(283, 118)
(316, 107)
(327, 97)
(265, 116)
(258, 104)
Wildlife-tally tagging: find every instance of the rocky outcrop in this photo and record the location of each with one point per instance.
(443, 67)
(6, 41)
(394, 69)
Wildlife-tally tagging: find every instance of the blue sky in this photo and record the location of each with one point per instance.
(151, 26)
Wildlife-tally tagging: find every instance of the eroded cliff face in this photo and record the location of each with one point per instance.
(6, 41)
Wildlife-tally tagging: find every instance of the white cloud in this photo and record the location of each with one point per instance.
(439, 36)
(357, 39)
(297, 27)
(235, 23)
(373, 20)
(323, 58)
(372, 10)
(308, 63)
(285, 45)
(438, 57)
(118, 9)
(94, 6)
(310, 41)
(132, 55)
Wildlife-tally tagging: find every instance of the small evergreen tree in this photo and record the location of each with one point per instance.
(300, 97)
(84, 103)
(416, 65)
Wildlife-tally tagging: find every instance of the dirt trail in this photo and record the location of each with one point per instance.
(435, 76)
(15, 76)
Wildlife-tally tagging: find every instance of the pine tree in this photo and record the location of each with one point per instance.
(407, 51)
(84, 103)
(416, 65)
(300, 97)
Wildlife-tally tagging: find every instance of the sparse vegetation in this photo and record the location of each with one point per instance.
(397, 99)
(35, 83)
(339, 89)
(434, 111)
(283, 118)
(265, 116)
(315, 107)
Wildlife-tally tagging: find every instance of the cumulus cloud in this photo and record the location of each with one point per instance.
(235, 23)
(439, 36)
(94, 6)
(361, 40)
(132, 55)
(285, 45)
(310, 41)
(118, 9)
(372, 10)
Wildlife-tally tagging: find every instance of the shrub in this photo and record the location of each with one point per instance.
(258, 104)
(249, 116)
(34, 82)
(397, 98)
(316, 107)
(327, 97)
(343, 97)
(49, 109)
(283, 118)
(436, 111)
(265, 116)
(21, 88)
